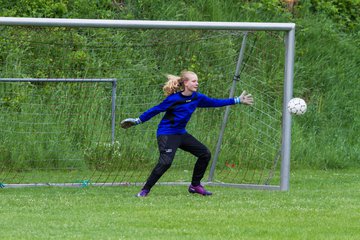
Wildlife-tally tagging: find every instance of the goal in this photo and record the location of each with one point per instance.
(64, 83)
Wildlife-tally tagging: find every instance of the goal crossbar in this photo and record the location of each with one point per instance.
(113, 80)
(60, 22)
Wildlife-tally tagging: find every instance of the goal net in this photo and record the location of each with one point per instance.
(62, 88)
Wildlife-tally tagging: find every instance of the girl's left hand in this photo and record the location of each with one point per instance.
(246, 98)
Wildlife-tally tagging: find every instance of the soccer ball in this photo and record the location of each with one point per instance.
(297, 106)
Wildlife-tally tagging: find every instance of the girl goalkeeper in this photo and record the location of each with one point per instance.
(181, 101)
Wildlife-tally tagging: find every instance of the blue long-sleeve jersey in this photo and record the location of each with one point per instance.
(178, 110)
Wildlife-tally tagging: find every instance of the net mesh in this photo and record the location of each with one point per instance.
(60, 132)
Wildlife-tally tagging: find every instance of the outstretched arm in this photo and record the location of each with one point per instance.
(129, 122)
(244, 98)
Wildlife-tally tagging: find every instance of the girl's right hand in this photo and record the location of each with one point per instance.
(129, 122)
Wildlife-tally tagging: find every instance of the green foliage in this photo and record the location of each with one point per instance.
(343, 12)
(108, 157)
(100, 9)
(326, 64)
(34, 8)
(325, 75)
(61, 8)
(202, 10)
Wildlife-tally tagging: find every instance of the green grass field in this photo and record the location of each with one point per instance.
(320, 205)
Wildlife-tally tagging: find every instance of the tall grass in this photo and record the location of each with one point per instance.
(325, 72)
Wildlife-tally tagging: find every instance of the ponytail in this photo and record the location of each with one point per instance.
(175, 83)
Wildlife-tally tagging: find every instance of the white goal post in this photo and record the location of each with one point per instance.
(288, 69)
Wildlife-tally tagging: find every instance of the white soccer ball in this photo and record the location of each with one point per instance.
(297, 106)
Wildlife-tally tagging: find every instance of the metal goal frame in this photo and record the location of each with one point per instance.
(287, 28)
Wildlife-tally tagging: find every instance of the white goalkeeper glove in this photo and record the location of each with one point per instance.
(244, 98)
(129, 122)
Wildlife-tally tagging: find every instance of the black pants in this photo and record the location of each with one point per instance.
(168, 144)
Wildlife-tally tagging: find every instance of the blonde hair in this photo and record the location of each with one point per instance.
(176, 83)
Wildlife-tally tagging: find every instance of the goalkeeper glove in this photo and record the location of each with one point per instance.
(244, 98)
(129, 122)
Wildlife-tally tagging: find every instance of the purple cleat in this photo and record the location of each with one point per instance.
(143, 193)
(199, 189)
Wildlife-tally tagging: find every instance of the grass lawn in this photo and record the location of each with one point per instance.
(319, 205)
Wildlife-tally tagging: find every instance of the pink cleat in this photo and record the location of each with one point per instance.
(199, 189)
